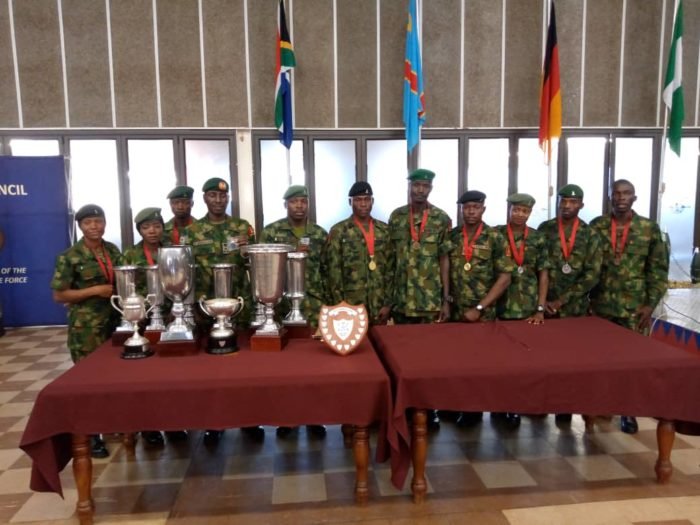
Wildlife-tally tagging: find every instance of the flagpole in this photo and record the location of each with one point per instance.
(289, 166)
(549, 189)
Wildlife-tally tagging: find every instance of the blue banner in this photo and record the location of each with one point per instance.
(34, 219)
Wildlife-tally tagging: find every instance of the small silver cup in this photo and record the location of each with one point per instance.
(125, 278)
(157, 322)
(294, 289)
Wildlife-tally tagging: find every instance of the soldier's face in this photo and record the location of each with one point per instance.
(472, 212)
(420, 190)
(297, 208)
(569, 207)
(151, 231)
(93, 228)
(361, 206)
(181, 208)
(623, 198)
(216, 201)
(518, 215)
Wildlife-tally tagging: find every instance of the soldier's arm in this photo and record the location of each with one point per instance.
(656, 268)
(501, 285)
(74, 296)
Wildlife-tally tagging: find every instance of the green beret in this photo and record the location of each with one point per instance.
(89, 210)
(572, 191)
(421, 174)
(181, 192)
(215, 184)
(296, 191)
(522, 199)
(148, 214)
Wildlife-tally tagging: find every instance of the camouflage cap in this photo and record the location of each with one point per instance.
(421, 174)
(297, 190)
(89, 210)
(472, 196)
(572, 191)
(215, 184)
(181, 192)
(521, 199)
(148, 214)
(360, 188)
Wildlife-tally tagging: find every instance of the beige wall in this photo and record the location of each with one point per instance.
(212, 62)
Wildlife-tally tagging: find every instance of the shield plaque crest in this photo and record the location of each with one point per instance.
(343, 326)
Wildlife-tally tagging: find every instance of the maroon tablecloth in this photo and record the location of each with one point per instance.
(582, 365)
(306, 383)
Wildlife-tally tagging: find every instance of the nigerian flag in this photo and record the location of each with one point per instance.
(673, 88)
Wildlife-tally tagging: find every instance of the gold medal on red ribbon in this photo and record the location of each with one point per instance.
(369, 241)
(468, 245)
(467, 266)
(372, 265)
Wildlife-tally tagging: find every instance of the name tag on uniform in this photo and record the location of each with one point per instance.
(204, 242)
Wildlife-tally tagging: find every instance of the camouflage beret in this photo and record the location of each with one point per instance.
(215, 184)
(360, 188)
(181, 192)
(148, 214)
(89, 210)
(472, 196)
(296, 190)
(572, 191)
(421, 174)
(522, 199)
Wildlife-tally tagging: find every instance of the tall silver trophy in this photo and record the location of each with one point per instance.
(268, 265)
(133, 310)
(156, 323)
(176, 271)
(222, 337)
(125, 278)
(294, 289)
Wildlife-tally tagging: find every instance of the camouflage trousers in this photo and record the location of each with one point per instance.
(83, 340)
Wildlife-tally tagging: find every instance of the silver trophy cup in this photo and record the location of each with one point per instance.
(156, 290)
(176, 271)
(268, 264)
(125, 277)
(134, 310)
(296, 268)
(222, 337)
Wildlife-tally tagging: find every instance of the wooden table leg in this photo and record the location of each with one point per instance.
(419, 445)
(129, 442)
(348, 433)
(82, 472)
(360, 447)
(665, 435)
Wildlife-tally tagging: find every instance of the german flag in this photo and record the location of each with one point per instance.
(550, 99)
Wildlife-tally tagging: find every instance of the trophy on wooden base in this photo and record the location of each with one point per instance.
(133, 310)
(175, 268)
(125, 278)
(268, 264)
(296, 269)
(222, 337)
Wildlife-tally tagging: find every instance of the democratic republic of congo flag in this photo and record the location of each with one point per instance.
(413, 96)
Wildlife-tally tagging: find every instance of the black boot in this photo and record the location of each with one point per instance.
(628, 424)
(97, 447)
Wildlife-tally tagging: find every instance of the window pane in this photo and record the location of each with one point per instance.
(442, 157)
(488, 172)
(274, 178)
(95, 180)
(587, 169)
(205, 159)
(151, 175)
(533, 178)
(334, 168)
(386, 172)
(633, 162)
(34, 147)
(678, 205)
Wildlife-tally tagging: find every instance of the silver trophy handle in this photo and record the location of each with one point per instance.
(241, 302)
(204, 306)
(150, 299)
(114, 304)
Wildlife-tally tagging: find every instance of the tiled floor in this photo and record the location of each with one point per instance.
(539, 474)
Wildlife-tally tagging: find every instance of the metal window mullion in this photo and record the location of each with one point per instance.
(124, 194)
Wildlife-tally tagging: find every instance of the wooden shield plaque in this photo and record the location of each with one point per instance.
(343, 326)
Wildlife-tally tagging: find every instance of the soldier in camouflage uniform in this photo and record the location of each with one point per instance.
(296, 230)
(358, 260)
(420, 239)
(149, 224)
(634, 273)
(84, 281)
(574, 254)
(479, 271)
(181, 205)
(419, 236)
(218, 238)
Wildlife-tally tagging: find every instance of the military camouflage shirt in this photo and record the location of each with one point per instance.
(520, 299)
(346, 260)
(281, 232)
(214, 243)
(488, 260)
(169, 233)
(640, 278)
(585, 260)
(417, 283)
(92, 321)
